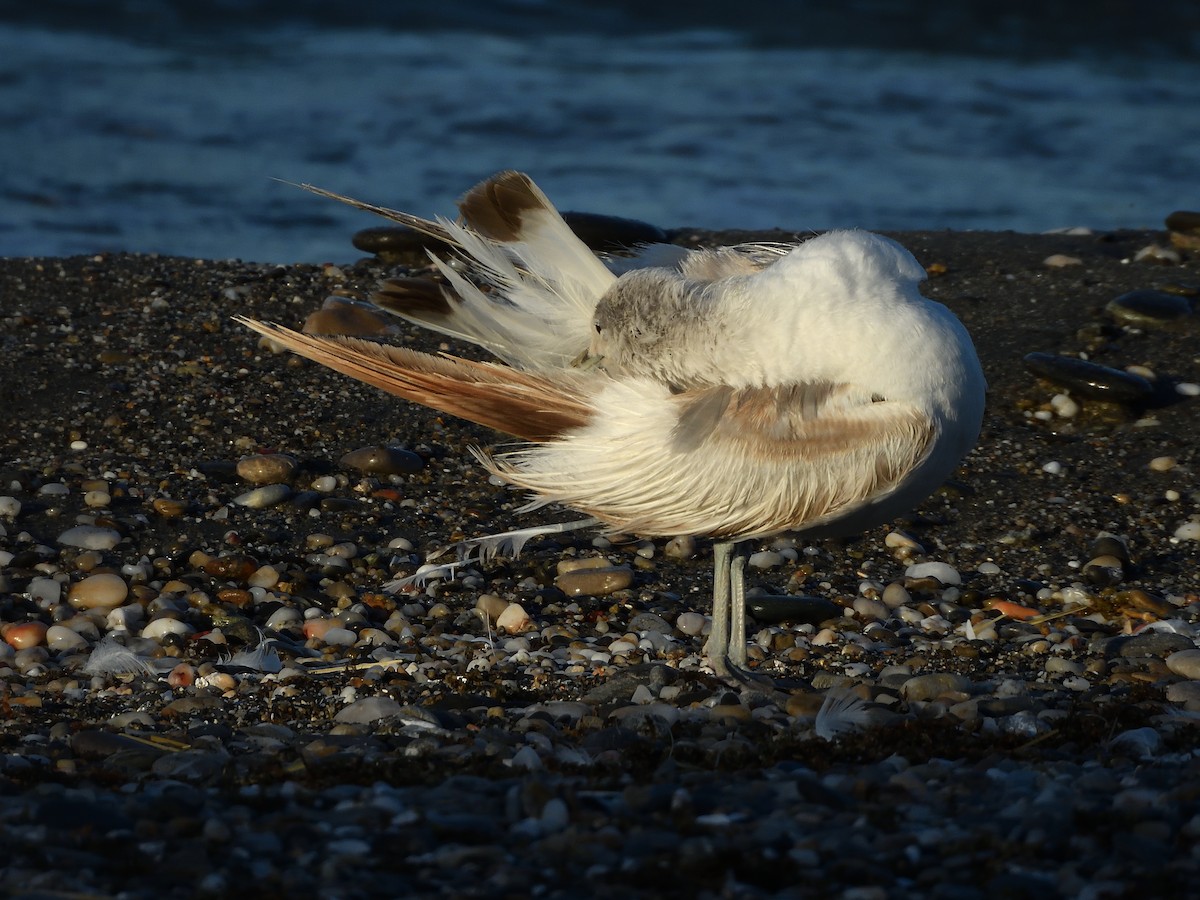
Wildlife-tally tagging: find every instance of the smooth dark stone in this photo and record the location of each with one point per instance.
(395, 242)
(602, 232)
(1089, 379)
(1158, 644)
(383, 461)
(1111, 546)
(1153, 309)
(805, 610)
(1185, 220)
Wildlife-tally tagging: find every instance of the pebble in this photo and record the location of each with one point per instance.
(59, 638)
(396, 243)
(10, 507)
(786, 608)
(1059, 260)
(1149, 309)
(609, 234)
(595, 582)
(691, 623)
(101, 591)
(165, 626)
(1188, 531)
(24, 634)
(934, 685)
(368, 710)
(90, 537)
(681, 547)
(1185, 663)
(382, 461)
(1089, 379)
(766, 559)
(340, 316)
(266, 468)
(263, 497)
(514, 619)
(943, 572)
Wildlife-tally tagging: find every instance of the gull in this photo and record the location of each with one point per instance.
(731, 393)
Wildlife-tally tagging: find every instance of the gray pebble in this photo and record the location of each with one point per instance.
(1157, 644)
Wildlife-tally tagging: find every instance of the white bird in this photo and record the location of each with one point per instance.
(732, 393)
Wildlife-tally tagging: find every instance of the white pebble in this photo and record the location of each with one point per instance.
(44, 591)
(284, 617)
(54, 489)
(261, 498)
(766, 559)
(1163, 463)
(124, 618)
(988, 568)
(90, 537)
(943, 572)
(10, 507)
(60, 638)
(1187, 389)
(1188, 531)
(78, 445)
(97, 499)
(690, 623)
(324, 484)
(1064, 405)
(514, 619)
(1054, 467)
(870, 609)
(164, 626)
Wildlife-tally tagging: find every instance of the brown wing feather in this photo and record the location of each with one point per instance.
(517, 403)
(494, 208)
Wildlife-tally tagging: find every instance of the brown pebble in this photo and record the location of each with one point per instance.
(723, 711)
(383, 461)
(232, 568)
(595, 582)
(104, 590)
(168, 508)
(1144, 601)
(346, 317)
(491, 606)
(266, 468)
(582, 564)
(235, 597)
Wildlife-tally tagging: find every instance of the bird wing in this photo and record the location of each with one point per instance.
(525, 405)
(726, 462)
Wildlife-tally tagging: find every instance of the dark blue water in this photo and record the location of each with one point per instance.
(159, 126)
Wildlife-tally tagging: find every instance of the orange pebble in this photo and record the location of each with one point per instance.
(25, 634)
(316, 628)
(1013, 610)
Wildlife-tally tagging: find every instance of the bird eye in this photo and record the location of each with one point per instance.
(596, 325)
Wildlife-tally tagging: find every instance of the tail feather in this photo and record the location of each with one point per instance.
(531, 407)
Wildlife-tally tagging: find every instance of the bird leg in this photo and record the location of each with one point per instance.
(726, 647)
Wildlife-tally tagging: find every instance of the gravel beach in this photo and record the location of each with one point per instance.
(206, 691)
